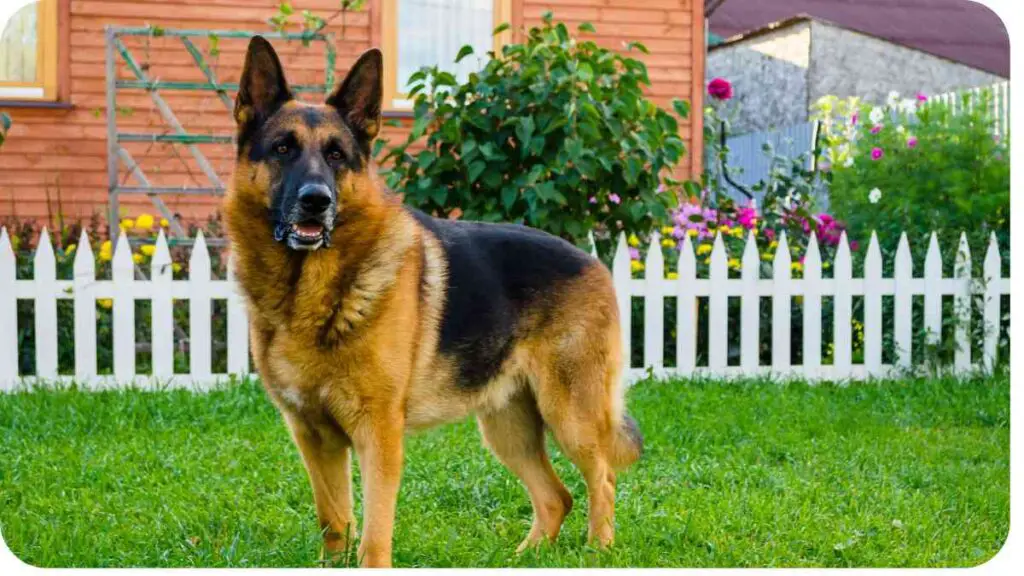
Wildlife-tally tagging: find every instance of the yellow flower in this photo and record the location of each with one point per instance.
(773, 245)
(673, 275)
(734, 263)
(147, 249)
(737, 232)
(766, 256)
(127, 224)
(70, 248)
(144, 222)
(692, 232)
(707, 260)
(826, 264)
(164, 222)
(137, 258)
(797, 266)
(106, 251)
(105, 303)
(633, 240)
(724, 230)
(703, 249)
(666, 230)
(636, 265)
(668, 242)
(176, 267)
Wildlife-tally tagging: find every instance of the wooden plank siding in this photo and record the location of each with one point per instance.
(55, 158)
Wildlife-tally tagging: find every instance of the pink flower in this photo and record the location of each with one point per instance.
(921, 98)
(593, 199)
(720, 89)
(661, 188)
(769, 234)
(912, 142)
(876, 128)
(853, 119)
(634, 253)
(877, 153)
(747, 217)
(854, 245)
(614, 198)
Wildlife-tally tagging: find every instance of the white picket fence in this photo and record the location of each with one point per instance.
(200, 290)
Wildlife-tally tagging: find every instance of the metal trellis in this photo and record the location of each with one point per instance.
(117, 154)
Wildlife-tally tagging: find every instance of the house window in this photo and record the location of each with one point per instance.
(419, 33)
(28, 49)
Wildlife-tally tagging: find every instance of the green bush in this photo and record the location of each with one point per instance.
(555, 133)
(917, 167)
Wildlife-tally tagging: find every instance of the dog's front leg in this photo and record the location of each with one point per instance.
(378, 445)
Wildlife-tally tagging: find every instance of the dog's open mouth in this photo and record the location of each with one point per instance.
(307, 236)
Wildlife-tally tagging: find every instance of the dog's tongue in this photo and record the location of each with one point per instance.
(309, 229)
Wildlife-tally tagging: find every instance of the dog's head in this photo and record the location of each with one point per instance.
(297, 156)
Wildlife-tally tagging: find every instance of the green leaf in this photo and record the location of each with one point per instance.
(475, 169)
(586, 27)
(501, 28)
(585, 72)
(508, 196)
(682, 107)
(463, 52)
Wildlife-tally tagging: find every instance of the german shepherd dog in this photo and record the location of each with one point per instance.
(370, 319)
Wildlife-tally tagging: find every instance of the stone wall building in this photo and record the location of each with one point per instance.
(780, 70)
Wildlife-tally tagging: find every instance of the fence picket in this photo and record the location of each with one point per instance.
(654, 305)
(621, 276)
(84, 270)
(873, 308)
(932, 297)
(750, 308)
(903, 274)
(718, 311)
(124, 310)
(782, 296)
(962, 305)
(812, 308)
(200, 360)
(842, 341)
(162, 274)
(238, 326)
(44, 266)
(8, 314)
(992, 268)
(686, 308)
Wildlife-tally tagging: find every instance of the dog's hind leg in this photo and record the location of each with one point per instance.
(326, 452)
(515, 433)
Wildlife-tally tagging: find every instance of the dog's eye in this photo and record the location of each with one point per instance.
(334, 155)
(282, 149)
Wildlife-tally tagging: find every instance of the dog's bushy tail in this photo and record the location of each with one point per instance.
(627, 444)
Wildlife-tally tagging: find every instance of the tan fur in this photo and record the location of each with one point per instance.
(346, 341)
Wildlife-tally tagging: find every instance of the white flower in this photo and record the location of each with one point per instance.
(875, 195)
(908, 106)
(900, 129)
(848, 162)
(893, 99)
(876, 115)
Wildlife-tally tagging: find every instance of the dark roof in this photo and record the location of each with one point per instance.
(960, 30)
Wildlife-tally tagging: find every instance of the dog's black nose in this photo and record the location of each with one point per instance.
(314, 197)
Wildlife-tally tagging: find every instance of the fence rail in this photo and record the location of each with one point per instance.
(200, 290)
(999, 102)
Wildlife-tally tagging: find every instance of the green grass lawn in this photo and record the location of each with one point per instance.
(902, 473)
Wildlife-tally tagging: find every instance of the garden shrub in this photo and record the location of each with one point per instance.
(916, 166)
(555, 133)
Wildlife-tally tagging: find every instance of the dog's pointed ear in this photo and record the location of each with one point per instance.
(358, 98)
(263, 88)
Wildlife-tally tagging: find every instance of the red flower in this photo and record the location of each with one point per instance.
(720, 89)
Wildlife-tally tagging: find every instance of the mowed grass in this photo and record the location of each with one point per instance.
(899, 473)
